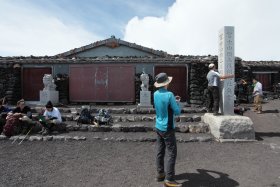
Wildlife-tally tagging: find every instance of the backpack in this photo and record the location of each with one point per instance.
(85, 117)
(103, 117)
(12, 126)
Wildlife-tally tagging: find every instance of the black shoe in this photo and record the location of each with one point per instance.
(160, 177)
(168, 183)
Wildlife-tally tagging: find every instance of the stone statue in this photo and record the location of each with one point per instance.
(48, 83)
(145, 81)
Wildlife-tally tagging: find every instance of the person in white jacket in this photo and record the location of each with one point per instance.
(52, 118)
(257, 94)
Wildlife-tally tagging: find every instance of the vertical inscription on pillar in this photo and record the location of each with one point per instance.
(226, 66)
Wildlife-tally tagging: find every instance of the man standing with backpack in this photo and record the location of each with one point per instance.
(166, 106)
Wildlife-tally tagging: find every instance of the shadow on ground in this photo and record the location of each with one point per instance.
(270, 111)
(206, 178)
(259, 135)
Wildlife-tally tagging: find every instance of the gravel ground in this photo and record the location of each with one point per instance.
(102, 163)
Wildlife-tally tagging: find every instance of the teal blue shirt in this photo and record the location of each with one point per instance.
(166, 107)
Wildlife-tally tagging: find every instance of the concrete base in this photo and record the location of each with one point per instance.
(145, 99)
(48, 95)
(230, 127)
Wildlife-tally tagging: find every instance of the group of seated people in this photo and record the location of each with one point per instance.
(21, 121)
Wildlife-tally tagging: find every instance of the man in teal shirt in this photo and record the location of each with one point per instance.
(166, 106)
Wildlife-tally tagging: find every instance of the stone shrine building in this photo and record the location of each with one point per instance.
(109, 71)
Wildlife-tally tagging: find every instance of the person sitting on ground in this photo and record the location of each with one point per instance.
(52, 119)
(25, 115)
(4, 110)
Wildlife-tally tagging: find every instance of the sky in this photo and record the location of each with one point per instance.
(186, 27)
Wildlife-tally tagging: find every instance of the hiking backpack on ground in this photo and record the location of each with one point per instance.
(85, 117)
(12, 126)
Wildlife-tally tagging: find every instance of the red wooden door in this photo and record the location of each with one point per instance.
(179, 82)
(33, 82)
(265, 79)
(102, 83)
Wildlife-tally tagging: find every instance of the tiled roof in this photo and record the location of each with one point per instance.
(96, 60)
(261, 64)
(112, 42)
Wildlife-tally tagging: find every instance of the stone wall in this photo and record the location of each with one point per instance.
(10, 84)
(197, 83)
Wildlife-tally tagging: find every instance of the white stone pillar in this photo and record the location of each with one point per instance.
(226, 64)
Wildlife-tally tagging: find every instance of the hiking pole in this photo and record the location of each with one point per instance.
(16, 139)
(25, 135)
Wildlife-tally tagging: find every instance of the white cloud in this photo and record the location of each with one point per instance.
(27, 30)
(191, 28)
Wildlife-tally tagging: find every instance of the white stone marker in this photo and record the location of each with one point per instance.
(228, 126)
(226, 66)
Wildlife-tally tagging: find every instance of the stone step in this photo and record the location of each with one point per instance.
(193, 127)
(142, 136)
(19, 138)
(110, 137)
(135, 117)
(117, 110)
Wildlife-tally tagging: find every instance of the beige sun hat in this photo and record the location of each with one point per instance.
(162, 80)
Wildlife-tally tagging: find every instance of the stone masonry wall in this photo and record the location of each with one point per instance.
(10, 84)
(198, 82)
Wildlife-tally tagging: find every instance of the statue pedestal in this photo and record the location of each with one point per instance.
(145, 99)
(48, 95)
(230, 126)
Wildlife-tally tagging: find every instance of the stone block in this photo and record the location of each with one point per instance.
(137, 128)
(183, 118)
(133, 111)
(196, 118)
(35, 138)
(230, 126)
(182, 128)
(123, 119)
(147, 118)
(49, 95)
(79, 138)
(116, 128)
(116, 110)
(47, 138)
(84, 128)
(116, 119)
(59, 138)
(198, 128)
(3, 137)
(130, 119)
(68, 117)
(145, 99)
(138, 118)
(69, 127)
(189, 119)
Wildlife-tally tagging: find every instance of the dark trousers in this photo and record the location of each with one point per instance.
(166, 140)
(214, 98)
